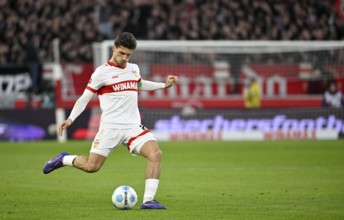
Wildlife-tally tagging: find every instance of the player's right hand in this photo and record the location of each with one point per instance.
(65, 124)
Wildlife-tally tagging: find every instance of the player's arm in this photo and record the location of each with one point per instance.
(149, 85)
(78, 108)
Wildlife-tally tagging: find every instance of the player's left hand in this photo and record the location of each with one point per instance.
(171, 80)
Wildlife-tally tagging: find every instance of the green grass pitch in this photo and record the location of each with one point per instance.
(200, 180)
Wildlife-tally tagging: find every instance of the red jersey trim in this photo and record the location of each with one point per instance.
(92, 90)
(113, 64)
(134, 138)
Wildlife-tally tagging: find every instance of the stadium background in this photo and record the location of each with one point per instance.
(47, 55)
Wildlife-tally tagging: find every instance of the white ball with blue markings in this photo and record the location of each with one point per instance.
(124, 197)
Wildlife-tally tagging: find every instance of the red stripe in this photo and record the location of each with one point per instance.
(92, 90)
(134, 138)
(110, 88)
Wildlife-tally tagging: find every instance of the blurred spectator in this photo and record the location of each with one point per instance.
(79, 23)
(252, 94)
(333, 97)
(71, 21)
(33, 62)
(103, 16)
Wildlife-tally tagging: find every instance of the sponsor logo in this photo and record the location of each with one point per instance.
(196, 136)
(125, 198)
(269, 126)
(290, 135)
(132, 85)
(15, 84)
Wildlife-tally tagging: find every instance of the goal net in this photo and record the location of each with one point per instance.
(221, 68)
(292, 76)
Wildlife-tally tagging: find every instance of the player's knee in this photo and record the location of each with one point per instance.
(156, 155)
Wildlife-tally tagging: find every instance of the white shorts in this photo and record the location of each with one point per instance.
(108, 139)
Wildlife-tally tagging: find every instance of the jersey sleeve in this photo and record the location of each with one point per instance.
(138, 72)
(92, 87)
(150, 86)
(81, 104)
(95, 82)
(146, 85)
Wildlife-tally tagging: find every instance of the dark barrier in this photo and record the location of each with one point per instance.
(26, 125)
(34, 124)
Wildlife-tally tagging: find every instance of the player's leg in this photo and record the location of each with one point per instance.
(141, 141)
(89, 164)
(102, 145)
(151, 151)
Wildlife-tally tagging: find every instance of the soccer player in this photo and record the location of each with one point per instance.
(252, 94)
(117, 83)
(332, 96)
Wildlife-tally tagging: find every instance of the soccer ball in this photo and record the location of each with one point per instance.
(124, 197)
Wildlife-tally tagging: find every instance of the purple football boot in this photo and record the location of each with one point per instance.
(152, 205)
(54, 163)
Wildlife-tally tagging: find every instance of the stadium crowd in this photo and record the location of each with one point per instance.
(79, 23)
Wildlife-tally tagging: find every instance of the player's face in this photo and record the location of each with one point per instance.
(121, 55)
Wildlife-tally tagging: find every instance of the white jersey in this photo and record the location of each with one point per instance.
(117, 90)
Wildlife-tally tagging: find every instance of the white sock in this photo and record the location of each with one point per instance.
(68, 160)
(150, 189)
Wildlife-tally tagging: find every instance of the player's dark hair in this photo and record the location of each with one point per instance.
(126, 39)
